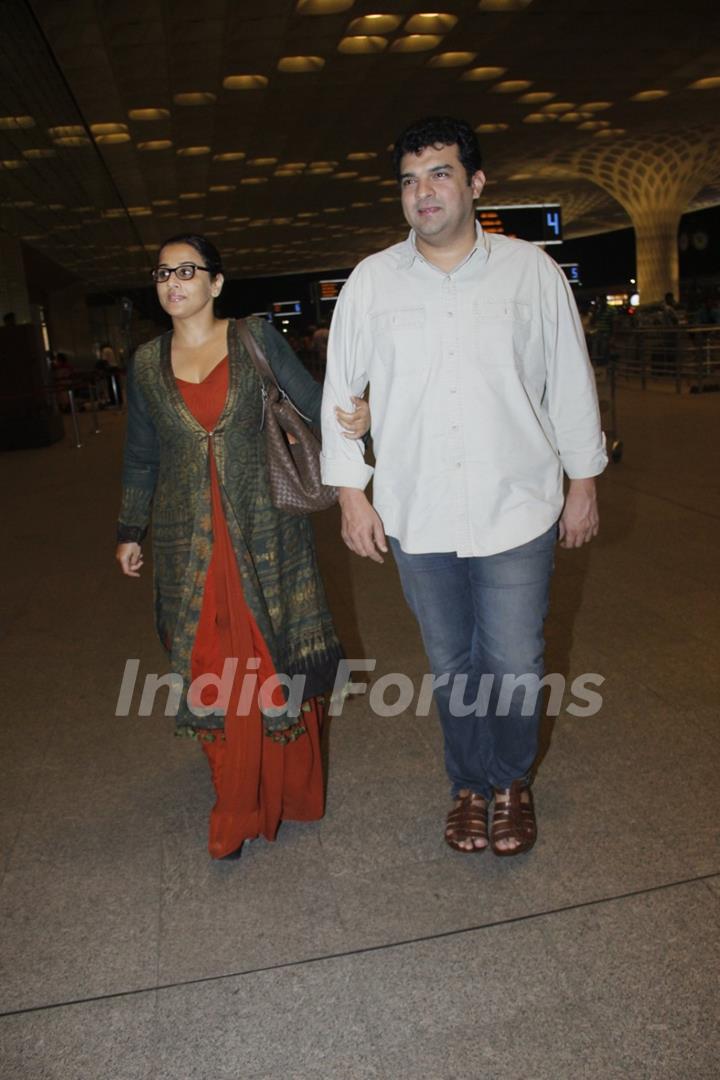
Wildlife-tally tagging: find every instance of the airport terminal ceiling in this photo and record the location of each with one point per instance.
(267, 124)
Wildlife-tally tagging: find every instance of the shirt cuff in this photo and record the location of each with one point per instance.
(338, 472)
(579, 464)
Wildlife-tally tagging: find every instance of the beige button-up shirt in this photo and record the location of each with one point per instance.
(481, 394)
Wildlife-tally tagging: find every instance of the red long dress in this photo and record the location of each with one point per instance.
(258, 781)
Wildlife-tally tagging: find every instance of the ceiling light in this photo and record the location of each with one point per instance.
(491, 129)
(16, 123)
(511, 86)
(536, 97)
(333, 209)
(285, 173)
(155, 144)
(357, 46)
(415, 43)
(374, 24)
(323, 7)
(114, 139)
(323, 170)
(245, 82)
(520, 176)
(196, 97)
(72, 140)
(388, 183)
(39, 152)
(149, 114)
(281, 220)
(593, 125)
(66, 131)
(480, 74)
(503, 5)
(308, 214)
(230, 155)
(139, 211)
(323, 164)
(254, 180)
(192, 195)
(596, 106)
(451, 59)
(221, 188)
(192, 217)
(538, 118)
(362, 155)
(712, 82)
(433, 22)
(192, 151)
(298, 65)
(345, 175)
(109, 129)
(572, 117)
(163, 202)
(607, 133)
(260, 161)
(650, 95)
(560, 107)
(367, 179)
(360, 205)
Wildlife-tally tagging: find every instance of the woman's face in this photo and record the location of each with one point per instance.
(182, 299)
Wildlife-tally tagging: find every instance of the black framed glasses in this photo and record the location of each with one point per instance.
(183, 272)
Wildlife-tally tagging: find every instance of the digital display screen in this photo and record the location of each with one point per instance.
(541, 224)
(330, 289)
(571, 272)
(283, 308)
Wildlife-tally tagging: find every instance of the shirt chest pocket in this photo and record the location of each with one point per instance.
(401, 341)
(501, 329)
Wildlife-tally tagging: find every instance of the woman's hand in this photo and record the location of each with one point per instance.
(130, 558)
(356, 423)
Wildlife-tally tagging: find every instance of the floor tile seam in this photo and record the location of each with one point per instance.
(364, 950)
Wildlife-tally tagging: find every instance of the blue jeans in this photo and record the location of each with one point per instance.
(483, 616)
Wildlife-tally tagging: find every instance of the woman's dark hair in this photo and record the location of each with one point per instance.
(439, 131)
(205, 248)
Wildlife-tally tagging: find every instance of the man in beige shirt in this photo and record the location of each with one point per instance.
(482, 398)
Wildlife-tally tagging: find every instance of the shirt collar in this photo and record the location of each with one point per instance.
(409, 253)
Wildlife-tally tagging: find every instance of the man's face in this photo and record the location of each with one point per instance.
(437, 200)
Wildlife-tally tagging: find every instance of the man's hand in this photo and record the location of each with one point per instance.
(356, 423)
(579, 521)
(130, 558)
(362, 528)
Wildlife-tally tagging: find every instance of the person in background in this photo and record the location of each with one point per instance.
(235, 578)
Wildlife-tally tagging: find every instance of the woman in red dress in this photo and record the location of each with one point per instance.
(236, 580)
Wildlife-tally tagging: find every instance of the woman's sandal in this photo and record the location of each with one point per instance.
(513, 819)
(467, 821)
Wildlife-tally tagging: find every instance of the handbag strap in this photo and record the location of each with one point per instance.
(256, 354)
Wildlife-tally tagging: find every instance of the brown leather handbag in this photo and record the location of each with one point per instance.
(293, 452)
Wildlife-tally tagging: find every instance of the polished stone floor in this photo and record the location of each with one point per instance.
(361, 946)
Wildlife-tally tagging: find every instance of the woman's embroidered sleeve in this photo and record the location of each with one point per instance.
(140, 466)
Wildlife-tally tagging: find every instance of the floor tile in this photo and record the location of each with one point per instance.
(112, 1040)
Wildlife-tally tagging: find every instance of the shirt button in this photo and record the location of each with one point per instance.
(454, 427)
(453, 390)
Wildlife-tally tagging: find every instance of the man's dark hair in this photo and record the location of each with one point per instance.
(205, 248)
(439, 131)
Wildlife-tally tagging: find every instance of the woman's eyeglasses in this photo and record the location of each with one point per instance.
(183, 272)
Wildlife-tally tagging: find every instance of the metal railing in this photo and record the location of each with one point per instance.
(688, 356)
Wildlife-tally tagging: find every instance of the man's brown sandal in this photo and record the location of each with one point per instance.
(513, 819)
(467, 822)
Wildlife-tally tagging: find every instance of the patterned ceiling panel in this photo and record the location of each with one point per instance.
(121, 124)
